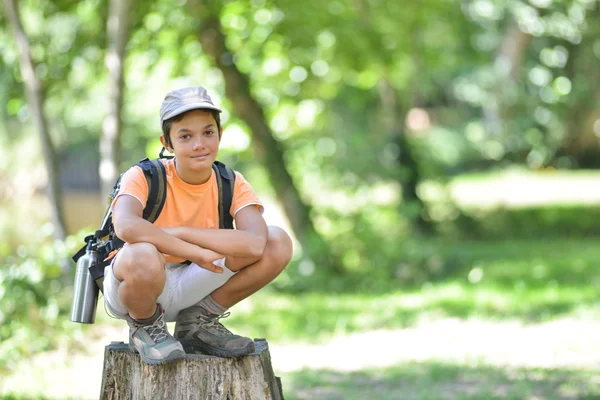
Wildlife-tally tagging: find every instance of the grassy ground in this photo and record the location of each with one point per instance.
(434, 380)
(510, 320)
(532, 281)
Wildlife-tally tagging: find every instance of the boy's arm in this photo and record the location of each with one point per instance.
(132, 228)
(248, 240)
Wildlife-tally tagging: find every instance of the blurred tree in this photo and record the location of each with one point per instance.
(267, 149)
(508, 64)
(582, 115)
(110, 143)
(393, 124)
(65, 39)
(354, 95)
(35, 98)
(538, 105)
(373, 65)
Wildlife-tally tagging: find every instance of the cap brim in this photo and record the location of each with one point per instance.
(187, 107)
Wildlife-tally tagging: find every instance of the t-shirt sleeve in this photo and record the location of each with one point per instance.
(243, 196)
(133, 183)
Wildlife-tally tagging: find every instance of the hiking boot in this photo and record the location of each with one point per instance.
(203, 333)
(154, 342)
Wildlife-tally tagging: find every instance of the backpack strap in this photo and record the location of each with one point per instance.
(106, 229)
(156, 176)
(225, 182)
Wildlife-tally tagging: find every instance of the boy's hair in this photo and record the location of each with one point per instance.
(166, 125)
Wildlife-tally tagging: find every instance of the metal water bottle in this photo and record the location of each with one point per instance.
(85, 290)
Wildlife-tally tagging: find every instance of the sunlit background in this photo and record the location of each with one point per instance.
(436, 162)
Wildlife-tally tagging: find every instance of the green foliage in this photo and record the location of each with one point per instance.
(34, 305)
(320, 71)
(527, 222)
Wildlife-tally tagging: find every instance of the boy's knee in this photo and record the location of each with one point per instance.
(279, 247)
(140, 262)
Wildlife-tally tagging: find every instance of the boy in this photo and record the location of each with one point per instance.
(149, 281)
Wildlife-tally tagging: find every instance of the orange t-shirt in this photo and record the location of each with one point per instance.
(194, 206)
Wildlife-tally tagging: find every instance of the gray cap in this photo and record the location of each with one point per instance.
(185, 99)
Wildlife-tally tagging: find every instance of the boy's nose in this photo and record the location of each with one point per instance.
(197, 144)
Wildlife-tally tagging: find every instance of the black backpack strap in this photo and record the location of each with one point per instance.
(162, 154)
(79, 253)
(97, 269)
(225, 182)
(156, 176)
(97, 273)
(106, 228)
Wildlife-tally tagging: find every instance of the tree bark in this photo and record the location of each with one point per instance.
(267, 149)
(197, 377)
(35, 99)
(110, 143)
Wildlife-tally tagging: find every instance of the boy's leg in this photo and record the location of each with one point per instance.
(198, 325)
(140, 268)
(254, 274)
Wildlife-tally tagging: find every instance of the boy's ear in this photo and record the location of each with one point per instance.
(165, 144)
(220, 133)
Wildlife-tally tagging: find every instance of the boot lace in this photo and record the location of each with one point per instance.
(157, 330)
(212, 321)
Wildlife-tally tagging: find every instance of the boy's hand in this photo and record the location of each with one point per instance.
(206, 259)
(202, 257)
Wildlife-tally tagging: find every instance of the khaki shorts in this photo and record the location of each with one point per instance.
(185, 286)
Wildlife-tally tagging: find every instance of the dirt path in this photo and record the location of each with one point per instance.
(565, 343)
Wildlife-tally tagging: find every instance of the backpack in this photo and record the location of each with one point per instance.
(106, 241)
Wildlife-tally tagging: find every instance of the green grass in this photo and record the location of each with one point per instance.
(19, 397)
(16, 396)
(430, 381)
(317, 316)
(531, 281)
(433, 380)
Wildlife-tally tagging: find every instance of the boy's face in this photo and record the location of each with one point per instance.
(195, 139)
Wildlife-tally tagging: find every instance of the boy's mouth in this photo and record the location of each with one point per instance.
(201, 156)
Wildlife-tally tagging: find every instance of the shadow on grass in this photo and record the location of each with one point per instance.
(442, 381)
(314, 316)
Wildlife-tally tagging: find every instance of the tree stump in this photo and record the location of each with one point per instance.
(197, 377)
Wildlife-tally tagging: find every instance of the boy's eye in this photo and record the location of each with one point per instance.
(184, 136)
(209, 133)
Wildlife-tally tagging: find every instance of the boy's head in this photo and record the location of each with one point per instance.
(178, 102)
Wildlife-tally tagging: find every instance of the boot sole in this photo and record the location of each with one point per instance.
(174, 356)
(199, 346)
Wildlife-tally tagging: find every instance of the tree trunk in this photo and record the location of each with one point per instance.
(267, 149)
(581, 140)
(507, 65)
(35, 99)
(197, 377)
(393, 122)
(110, 149)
